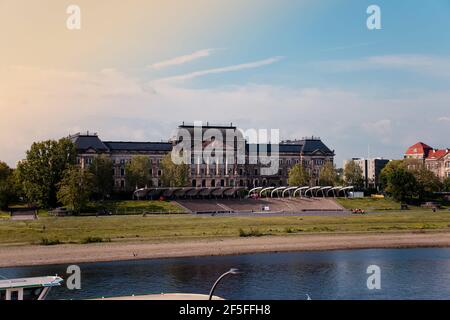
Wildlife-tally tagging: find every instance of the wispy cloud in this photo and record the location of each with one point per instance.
(349, 46)
(425, 64)
(183, 59)
(444, 119)
(238, 67)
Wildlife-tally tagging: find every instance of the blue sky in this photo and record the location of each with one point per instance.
(305, 67)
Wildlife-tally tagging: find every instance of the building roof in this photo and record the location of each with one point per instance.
(312, 145)
(88, 141)
(51, 281)
(437, 154)
(419, 148)
(138, 146)
(305, 146)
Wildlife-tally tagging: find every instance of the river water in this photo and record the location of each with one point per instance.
(404, 274)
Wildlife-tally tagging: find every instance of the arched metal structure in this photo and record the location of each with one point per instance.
(323, 189)
(276, 190)
(288, 189)
(300, 189)
(345, 190)
(265, 189)
(254, 190)
(333, 190)
(312, 189)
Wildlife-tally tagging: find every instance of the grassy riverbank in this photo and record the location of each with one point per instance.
(178, 227)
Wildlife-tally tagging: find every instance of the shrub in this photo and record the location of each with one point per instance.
(251, 233)
(94, 240)
(49, 242)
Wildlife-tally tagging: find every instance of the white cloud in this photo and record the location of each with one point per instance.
(38, 104)
(182, 59)
(425, 64)
(238, 67)
(444, 119)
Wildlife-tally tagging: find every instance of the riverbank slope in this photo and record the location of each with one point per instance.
(78, 253)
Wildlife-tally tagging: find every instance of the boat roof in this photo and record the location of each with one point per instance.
(164, 296)
(50, 281)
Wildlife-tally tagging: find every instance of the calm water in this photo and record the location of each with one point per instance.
(405, 274)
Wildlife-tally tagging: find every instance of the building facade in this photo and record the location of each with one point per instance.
(371, 170)
(435, 160)
(311, 152)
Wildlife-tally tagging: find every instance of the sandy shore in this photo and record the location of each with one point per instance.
(62, 254)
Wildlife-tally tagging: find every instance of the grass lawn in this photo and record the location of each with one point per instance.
(136, 206)
(178, 227)
(374, 204)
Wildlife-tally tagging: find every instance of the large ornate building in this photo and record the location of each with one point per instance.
(435, 160)
(311, 152)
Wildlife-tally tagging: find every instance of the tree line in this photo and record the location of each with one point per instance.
(49, 176)
(401, 179)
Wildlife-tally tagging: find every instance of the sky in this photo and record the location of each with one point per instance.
(136, 69)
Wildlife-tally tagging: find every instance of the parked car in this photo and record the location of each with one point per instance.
(60, 212)
(104, 212)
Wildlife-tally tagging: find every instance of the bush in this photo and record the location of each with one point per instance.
(49, 242)
(94, 240)
(251, 233)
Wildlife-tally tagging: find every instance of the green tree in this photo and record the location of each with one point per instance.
(446, 185)
(426, 182)
(6, 193)
(137, 172)
(75, 188)
(328, 174)
(173, 175)
(43, 169)
(398, 181)
(353, 174)
(101, 168)
(298, 176)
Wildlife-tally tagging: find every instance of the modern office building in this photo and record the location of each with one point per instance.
(371, 169)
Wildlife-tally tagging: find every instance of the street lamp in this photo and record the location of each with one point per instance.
(231, 271)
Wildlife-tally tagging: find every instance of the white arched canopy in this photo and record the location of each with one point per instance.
(323, 189)
(276, 190)
(311, 190)
(299, 190)
(288, 189)
(254, 190)
(265, 189)
(333, 190)
(345, 189)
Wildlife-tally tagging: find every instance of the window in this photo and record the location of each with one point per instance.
(122, 183)
(159, 173)
(122, 172)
